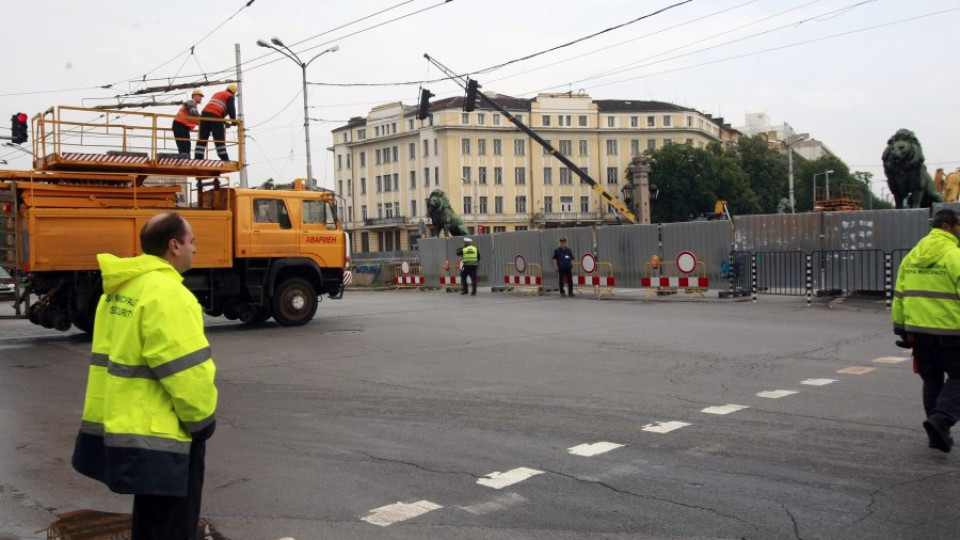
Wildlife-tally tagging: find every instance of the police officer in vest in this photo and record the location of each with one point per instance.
(220, 106)
(150, 398)
(471, 258)
(926, 316)
(185, 122)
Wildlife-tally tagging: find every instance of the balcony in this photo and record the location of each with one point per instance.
(555, 218)
(385, 222)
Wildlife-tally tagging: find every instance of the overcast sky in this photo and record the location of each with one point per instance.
(849, 73)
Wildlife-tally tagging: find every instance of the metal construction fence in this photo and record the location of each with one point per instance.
(835, 253)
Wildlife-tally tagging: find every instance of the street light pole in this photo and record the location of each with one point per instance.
(274, 44)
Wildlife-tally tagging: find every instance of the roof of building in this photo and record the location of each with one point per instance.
(632, 105)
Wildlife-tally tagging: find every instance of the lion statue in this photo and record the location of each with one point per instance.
(443, 216)
(907, 176)
(951, 189)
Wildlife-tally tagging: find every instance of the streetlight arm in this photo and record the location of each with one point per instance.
(264, 44)
(335, 48)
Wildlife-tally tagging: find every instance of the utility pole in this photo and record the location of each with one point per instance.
(243, 141)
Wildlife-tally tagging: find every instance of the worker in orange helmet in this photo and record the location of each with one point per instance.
(220, 106)
(186, 120)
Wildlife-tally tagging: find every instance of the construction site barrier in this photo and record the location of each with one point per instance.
(449, 281)
(529, 281)
(665, 279)
(406, 276)
(600, 279)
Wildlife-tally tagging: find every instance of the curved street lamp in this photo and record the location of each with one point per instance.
(278, 45)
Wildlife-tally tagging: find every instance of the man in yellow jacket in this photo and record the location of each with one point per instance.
(926, 315)
(150, 398)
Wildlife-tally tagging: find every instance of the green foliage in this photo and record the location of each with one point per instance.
(767, 170)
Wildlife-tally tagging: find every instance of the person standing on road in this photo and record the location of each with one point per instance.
(220, 106)
(926, 316)
(185, 122)
(563, 264)
(470, 256)
(150, 398)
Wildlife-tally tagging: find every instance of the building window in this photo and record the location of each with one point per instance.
(586, 171)
(496, 119)
(546, 151)
(340, 161)
(413, 150)
(582, 120)
(565, 177)
(466, 174)
(566, 147)
(566, 204)
(519, 147)
(396, 181)
(667, 141)
(497, 147)
(545, 120)
(611, 121)
(426, 177)
(467, 205)
(611, 147)
(519, 118)
(499, 229)
(689, 121)
(410, 124)
(584, 147)
(363, 212)
(651, 121)
(483, 205)
(436, 148)
(482, 175)
(481, 147)
(521, 204)
(548, 204)
(548, 175)
(379, 210)
(520, 175)
(363, 159)
(520, 228)
(396, 151)
(413, 208)
(465, 118)
(379, 155)
(481, 119)
(348, 161)
(585, 203)
(436, 176)
(667, 119)
(340, 186)
(413, 179)
(363, 186)
(651, 144)
(379, 183)
(498, 205)
(634, 147)
(364, 239)
(361, 134)
(396, 207)
(465, 146)
(349, 186)
(634, 121)
(498, 175)
(426, 147)
(612, 174)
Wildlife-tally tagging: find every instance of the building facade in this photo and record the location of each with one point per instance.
(497, 178)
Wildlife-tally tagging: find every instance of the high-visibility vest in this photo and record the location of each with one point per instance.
(927, 295)
(150, 387)
(217, 105)
(470, 255)
(185, 116)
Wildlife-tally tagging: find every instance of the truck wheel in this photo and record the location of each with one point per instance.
(294, 302)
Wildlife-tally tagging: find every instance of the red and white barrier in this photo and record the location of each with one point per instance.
(676, 282)
(595, 281)
(100, 158)
(522, 280)
(450, 280)
(408, 280)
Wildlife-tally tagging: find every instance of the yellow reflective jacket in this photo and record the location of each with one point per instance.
(150, 389)
(470, 255)
(926, 299)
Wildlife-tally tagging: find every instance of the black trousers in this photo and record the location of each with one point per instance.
(218, 130)
(468, 270)
(568, 273)
(182, 135)
(158, 517)
(938, 357)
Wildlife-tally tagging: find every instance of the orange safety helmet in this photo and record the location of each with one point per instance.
(655, 260)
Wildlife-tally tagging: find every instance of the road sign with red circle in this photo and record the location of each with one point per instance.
(520, 263)
(686, 262)
(405, 266)
(588, 263)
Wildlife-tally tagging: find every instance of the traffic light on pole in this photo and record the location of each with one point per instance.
(425, 96)
(470, 103)
(18, 125)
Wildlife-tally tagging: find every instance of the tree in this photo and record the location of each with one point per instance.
(767, 171)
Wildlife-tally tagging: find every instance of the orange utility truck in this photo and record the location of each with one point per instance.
(100, 175)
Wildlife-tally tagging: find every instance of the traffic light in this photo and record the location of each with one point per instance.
(18, 125)
(470, 103)
(425, 96)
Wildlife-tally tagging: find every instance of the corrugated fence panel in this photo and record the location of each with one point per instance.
(627, 247)
(875, 229)
(777, 232)
(579, 240)
(508, 246)
(709, 241)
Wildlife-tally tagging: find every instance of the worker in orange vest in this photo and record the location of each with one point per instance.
(186, 120)
(220, 106)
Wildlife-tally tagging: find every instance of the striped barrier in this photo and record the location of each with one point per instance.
(406, 276)
(522, 280)
(693, 280)
(521, 276)
(101, 158)
(408, 280)
(594, 281)
(676, 282)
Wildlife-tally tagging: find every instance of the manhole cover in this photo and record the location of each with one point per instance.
(96, 525)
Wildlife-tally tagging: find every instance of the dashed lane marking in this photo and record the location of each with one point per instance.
(394, 513)
(891, 359)
(724, 409)
(500, 480)
(856, 370)
(664, 427)
(594, 449)
(818, 382)
(502, 502)
(776, 394)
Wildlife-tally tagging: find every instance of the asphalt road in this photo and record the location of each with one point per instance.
(411, 415)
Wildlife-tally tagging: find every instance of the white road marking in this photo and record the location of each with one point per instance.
(856, 370)
(891, 359)
(501, 502)
(393, 513)
(500, 480)
(664, 427)
(776, 394)
(818, 382)
(724, 409)
(594, 449)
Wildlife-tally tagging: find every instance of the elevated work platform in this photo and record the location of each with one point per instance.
(79, 139)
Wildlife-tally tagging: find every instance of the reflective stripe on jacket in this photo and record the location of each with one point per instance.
(221, 105)
(471, 255)
(927, 295)
(188, 110)
(151, 380)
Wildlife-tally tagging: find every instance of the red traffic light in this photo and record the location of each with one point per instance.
(21, 117)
